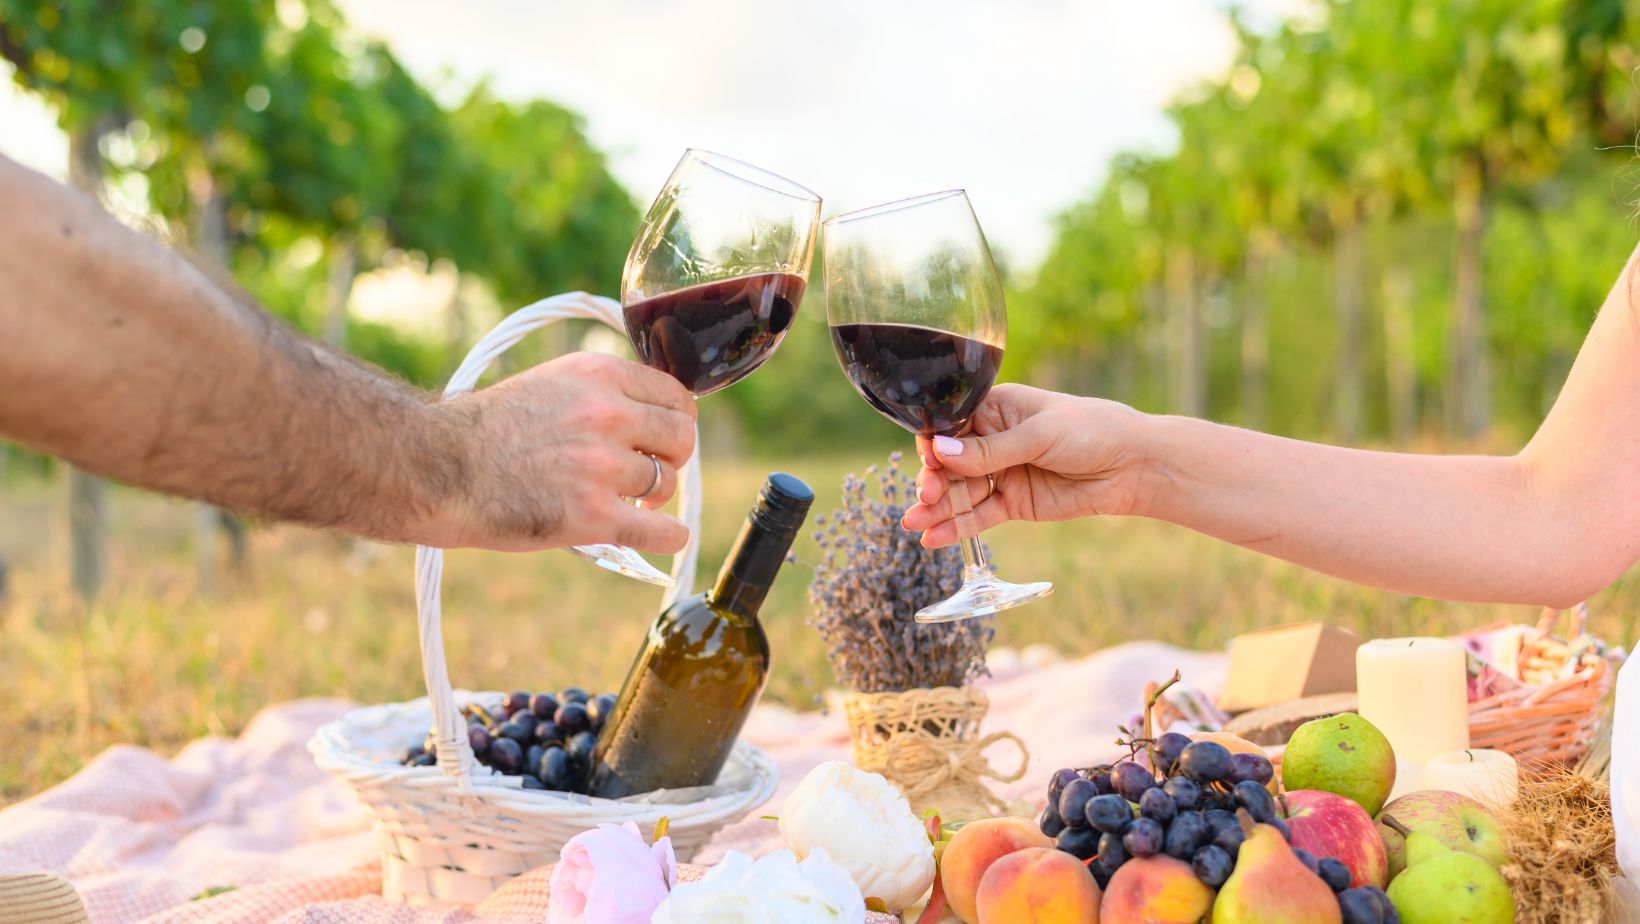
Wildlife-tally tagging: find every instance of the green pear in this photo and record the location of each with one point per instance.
(1342, 754)
(1421, 847)
(1459, 822)
(1446, 886)
(1271, 886)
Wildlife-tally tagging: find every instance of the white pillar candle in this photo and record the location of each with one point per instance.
(1487, 776)
(1415, 690)
(1407, 778)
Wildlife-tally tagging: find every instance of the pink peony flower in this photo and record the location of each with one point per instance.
(610, 876)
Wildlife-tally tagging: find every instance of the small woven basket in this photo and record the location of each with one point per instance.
(927, 742)
(456, 831)
(1552, 720)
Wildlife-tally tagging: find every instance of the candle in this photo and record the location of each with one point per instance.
(1484, 775)
(1408, 778)
(1415, 690)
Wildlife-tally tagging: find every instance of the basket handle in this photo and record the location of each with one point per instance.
(455, 755)
(1550, 617)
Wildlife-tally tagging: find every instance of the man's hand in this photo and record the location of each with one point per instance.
(123, 358)
(553, 451)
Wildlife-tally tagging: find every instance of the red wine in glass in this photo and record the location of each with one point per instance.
(712, 335)
(919, 321)
(927, 381)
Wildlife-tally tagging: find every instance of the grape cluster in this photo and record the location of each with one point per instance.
(1109, 813)
(1182, 798)
(546, 738)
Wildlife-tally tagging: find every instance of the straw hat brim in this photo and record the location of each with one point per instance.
(39, 898)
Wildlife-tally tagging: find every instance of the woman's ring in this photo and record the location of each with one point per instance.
(990, 486)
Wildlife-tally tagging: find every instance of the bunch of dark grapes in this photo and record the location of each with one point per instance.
(546, 738)
(1184, 804)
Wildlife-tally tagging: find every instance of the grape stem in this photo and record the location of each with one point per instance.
(1154, 696)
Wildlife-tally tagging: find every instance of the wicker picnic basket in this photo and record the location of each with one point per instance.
(456, 831)
(1552, 720)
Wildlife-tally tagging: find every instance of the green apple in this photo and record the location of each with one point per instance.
(1342, 754)
(1446, 886)
(1459, 822)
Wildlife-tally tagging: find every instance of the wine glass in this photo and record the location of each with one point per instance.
(919, 323)
(712, 285)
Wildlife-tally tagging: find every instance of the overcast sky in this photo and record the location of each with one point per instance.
(1020, 101)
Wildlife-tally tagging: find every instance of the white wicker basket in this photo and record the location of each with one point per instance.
(456, 831)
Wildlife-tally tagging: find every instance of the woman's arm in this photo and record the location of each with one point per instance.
(1550, 525)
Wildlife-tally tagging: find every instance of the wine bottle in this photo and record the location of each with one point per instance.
(702, 665)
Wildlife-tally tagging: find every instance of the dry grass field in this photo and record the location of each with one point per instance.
(156, 663)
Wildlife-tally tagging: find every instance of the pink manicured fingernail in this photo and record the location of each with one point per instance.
(946, 446)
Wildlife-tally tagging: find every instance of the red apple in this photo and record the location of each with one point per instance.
(1328, 825)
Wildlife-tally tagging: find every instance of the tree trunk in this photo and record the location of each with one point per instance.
(455, 329)
(1123, 378)
(211, 242)
(87, 516)
(1347, 302)
(1255, 332)
(1470, 392)
(1400, 372)
(344, 264)
(1089, 376)
(1153, 345)
(1189, 341)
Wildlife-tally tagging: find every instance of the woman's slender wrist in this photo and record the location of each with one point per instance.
(1161, 461)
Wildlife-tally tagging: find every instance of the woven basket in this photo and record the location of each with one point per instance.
(456, 831)
(1551, 721)
(927, 742)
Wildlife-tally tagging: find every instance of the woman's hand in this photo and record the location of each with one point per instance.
(1052, 457)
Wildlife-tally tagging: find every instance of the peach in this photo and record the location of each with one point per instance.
(973, 849)
(1038, 884)
(1155, 890)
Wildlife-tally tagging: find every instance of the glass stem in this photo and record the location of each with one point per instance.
(962, 514)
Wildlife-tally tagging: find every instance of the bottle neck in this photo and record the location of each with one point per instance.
(750, 569)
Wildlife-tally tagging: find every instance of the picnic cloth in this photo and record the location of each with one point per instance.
(140, 835)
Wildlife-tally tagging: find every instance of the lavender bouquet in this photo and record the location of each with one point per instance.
(873, 578)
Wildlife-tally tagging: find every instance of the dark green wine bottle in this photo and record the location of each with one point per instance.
(702, 666)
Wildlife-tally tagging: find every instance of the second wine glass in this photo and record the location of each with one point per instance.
(712, 284)
(919, 322)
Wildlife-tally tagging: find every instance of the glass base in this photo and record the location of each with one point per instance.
(622, 560)
(982, 595)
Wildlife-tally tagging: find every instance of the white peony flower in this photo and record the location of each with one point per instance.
(775, 889)
(866, 825)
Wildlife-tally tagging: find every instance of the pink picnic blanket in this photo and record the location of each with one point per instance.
(140, 835)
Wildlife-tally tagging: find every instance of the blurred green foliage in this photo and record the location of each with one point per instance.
(259, 127)
(1384, 220)
(1411, 208)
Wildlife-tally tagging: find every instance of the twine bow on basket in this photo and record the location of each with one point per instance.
(922, 763)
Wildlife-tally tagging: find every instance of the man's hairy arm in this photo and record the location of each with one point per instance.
(122, 357)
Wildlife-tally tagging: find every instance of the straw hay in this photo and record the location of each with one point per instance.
(1565, 850)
